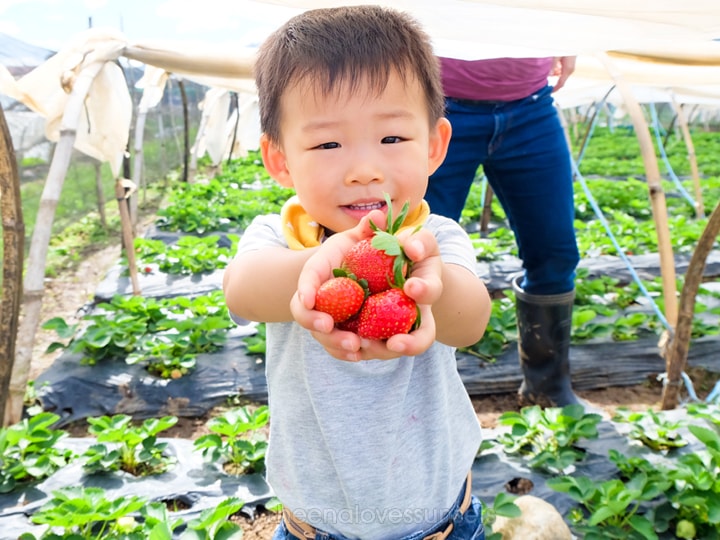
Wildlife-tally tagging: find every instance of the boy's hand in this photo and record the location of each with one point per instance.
(424, 285)
(316, 271)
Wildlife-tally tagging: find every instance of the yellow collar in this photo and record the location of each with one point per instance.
(301, 231)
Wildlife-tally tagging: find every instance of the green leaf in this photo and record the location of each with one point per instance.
(504, 505)
(63, 329)
(644, 527)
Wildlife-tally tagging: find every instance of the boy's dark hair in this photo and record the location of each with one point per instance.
(348, 45)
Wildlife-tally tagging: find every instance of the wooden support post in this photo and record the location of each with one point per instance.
(487, 210)
(34, 286)
(124, 189)
(657, 195)
(100, 194)
(13, 233)
(682, 122)
(676, 357)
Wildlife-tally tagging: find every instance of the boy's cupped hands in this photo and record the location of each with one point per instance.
(424, 286)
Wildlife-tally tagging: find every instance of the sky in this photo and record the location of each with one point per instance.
(51, 23)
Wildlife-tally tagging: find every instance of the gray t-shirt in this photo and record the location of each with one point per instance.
(373, 449)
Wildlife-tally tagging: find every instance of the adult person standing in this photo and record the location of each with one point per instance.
(503, 118)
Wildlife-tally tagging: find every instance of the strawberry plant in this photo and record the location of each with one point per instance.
(233, 440)
(189, 255)
(76, 512)
(548, 438)
(503, 505)
(602, 291)
(224, 203)
(501, 330)
(215, 524)
(695, 491)
(610, 510)
(165, 333)
(157, 522)
(122, 446)
(707, 412)
(256, 343)
(653, 430)
(678, 496)
(29, 451)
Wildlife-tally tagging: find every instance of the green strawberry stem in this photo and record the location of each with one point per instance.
(341, 272)
(387, 241)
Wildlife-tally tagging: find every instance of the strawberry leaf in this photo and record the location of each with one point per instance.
(398, 270)
(388, 202)
(394, 225)
(417, 322)
(388, 243)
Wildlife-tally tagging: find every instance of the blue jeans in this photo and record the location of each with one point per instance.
(466, 526)
(522, 148)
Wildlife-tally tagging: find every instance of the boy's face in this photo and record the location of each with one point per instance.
(342, 151)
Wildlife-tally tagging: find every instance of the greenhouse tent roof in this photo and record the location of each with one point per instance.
(655, 44)
(20, 57)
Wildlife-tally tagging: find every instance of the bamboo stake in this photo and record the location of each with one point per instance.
(676, 357)
(236, 108)
(124, 189)
(682, 121)
(40, 241)
(657, 195)
(100, 194)
(173, 125)
(195, 150)
(13, 230)
(487, 210)
(138, 162)
(163, 147)
(186, 132)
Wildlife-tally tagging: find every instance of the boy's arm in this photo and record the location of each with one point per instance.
(463, 311)
(460, 301)
(259, 284)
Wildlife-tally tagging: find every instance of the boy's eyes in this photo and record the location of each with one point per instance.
(328, 146)
(393, 139)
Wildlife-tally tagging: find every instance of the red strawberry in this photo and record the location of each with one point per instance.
(371, 264)
(341, 297)
(387, 313)
(350, 325)
(380, 259)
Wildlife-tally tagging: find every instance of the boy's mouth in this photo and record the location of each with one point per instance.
(366, 207)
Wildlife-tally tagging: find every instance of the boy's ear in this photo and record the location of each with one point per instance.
(439, 141)
(274, 161)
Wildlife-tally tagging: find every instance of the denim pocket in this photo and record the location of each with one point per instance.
(469, 526)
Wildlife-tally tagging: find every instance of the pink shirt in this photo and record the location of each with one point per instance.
(500, 79)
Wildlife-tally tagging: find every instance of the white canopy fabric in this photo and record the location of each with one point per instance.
(474, 29)
(660, 47)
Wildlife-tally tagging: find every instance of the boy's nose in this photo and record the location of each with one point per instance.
(364, 171)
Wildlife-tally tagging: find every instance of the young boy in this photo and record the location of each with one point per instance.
(368, 439)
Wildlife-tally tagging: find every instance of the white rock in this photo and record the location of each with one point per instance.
(539, 521)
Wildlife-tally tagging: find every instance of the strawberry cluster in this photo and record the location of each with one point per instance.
(366, 295)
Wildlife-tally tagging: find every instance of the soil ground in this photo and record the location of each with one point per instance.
(66, 294)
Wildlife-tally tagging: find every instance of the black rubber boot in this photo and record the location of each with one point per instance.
(544, 325)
